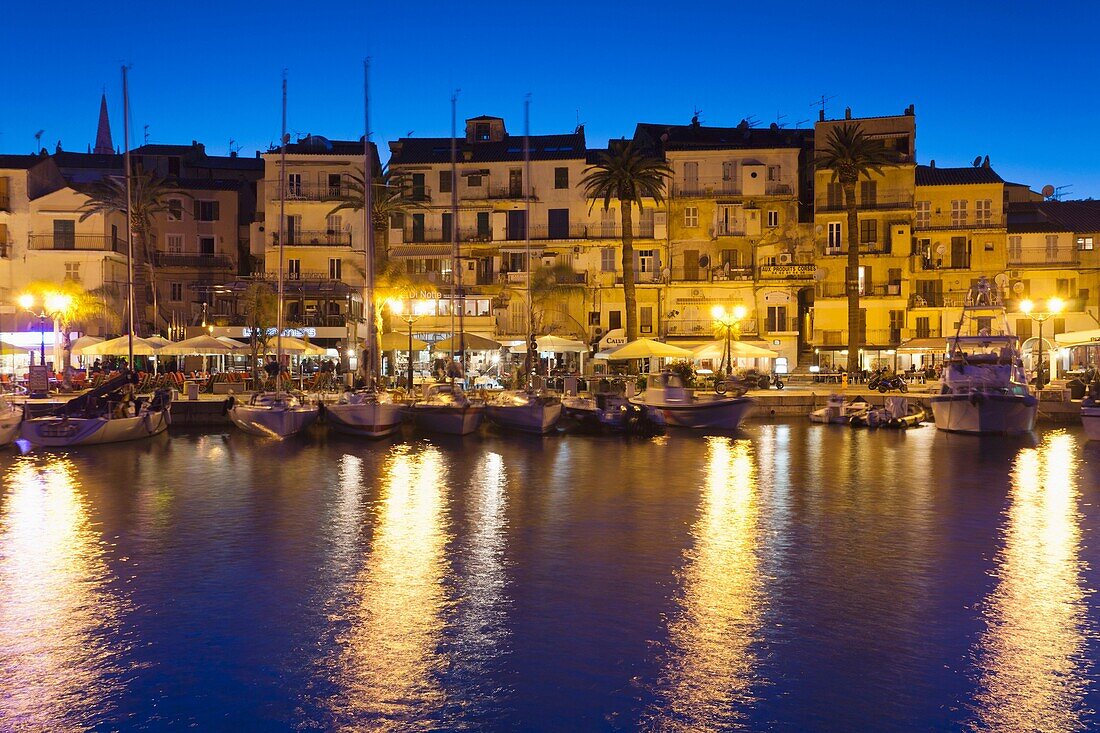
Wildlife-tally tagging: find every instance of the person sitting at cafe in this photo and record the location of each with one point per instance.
(97, 367)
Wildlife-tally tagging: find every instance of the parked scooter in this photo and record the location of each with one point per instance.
(890, 382)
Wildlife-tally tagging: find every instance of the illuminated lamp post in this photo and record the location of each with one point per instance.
(728, 323)
(1054, 307)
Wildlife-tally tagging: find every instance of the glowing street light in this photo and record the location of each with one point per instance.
(728, 323)
(409, 316)
(1054, 307)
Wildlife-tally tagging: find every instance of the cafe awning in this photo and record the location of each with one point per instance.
(1079, 338)
(934, 345)
(420, 250)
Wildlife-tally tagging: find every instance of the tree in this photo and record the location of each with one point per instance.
(551, 286)
(625, 174)
(149, 195)
(261, 311)
(850, 155)
(73, 307)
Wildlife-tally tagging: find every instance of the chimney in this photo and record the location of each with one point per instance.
(821, 115)
(847, 113)
(932, 163)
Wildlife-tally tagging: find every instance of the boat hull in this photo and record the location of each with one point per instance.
(1090, 418)
(371, 419)
(10, 425)
(538, 418)
(717, 414)
(62, 432)
(985, 414)
(447, 419)
(273, 421)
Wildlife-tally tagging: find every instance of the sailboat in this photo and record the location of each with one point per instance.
(369, 412)
(984, 389)
(277, 413)
(446, 408)
(11, 417)
(526, 410)
(110, 413)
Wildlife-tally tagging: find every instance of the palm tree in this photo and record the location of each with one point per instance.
(261, 306)
(624, 173)
(79, 309)
(149, 194)
(850, 155)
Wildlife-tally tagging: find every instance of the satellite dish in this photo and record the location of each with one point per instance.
(1018, 288)
(940, 249)
(1001, 280)
(820, 274)
(704, 261)
(1048, 190)
(977, 162)
(819, 230)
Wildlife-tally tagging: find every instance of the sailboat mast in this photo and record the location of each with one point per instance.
(282, 227)
(371, 367)
(532, 354)
(456, 273)
(129, 220)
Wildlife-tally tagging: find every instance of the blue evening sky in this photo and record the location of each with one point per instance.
(1013, 80)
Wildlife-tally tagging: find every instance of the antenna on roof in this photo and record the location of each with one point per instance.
(800, 123)
(821, 103)
(1061, 191)
(38, 141)
(977, 162)
(233, 147)
(778, 118)
(146, 128)
(752, 121)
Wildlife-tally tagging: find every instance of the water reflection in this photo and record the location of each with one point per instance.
(709, 675)
(1031, 658)
(56, 610)
(390, 664)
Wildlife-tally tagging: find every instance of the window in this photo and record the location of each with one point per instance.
(1084, 243)
(691, 177)
(175, 209)
(1065, 287)
(647, 260)
(64, 234)
(865, 285)
(730, 258)
(645, 319)
(174, 166)
(334, 224)
(607, 259)
(983, 212)
(293, 184)
(516, 224)
(293, 228)
(515, 183)
(729, 171)
(834, 242)
(294, 269)
(206, 246)
(481, 131)
(484, 229)
(960, 252)
(446, 220)
(1023, 328)
(335, 265)
(175, 292)
(691, 216)
(834, 196)
(206, 210)
(174, 243)
(561, 178)
(417, 227)
(1052, 247)
(773, 173)
(868, 194)
(335, 185)
(593, 318)
(444, 181)
(897, 322)
(924, 214)
(777, 318)
(72, 271)
(1015, 247)
(868, 231)
(557, 221)
(473, 181)
(924, 327)
(773, 218)
(614, 320)
(958, 213)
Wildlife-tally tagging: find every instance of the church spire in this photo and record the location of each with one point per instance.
(103, 144)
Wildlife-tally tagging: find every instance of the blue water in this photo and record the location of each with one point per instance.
(791, 577)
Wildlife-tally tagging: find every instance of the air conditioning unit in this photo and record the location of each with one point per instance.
(785, 259)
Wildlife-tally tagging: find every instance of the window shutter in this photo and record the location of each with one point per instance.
(196, 203)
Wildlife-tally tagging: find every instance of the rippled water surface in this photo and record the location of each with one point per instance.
(790, 577)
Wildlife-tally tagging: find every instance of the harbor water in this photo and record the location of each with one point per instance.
(788, 577)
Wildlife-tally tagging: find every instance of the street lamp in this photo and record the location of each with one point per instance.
(1054, 307)
(409, 316)
(728, 323)
(52, 305)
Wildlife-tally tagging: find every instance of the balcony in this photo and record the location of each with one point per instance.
(192, 261)
(884, 201)
(722, 188)
(313, 191)
(435, 236)
(920, 225)
(730, 229)
(507, 192)
(872, 337)
(1041, 256)
(839, 290)
(720, 273)
(704, 328)
(640, 230)
(938, 299)
(315, 238)
(788, 272)
(77, 242)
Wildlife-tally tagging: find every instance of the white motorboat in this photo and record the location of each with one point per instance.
(1090, 418)
(839, 412)
(446, 409)
(272, 414)
(371, 414)
(527, 412)
(984, 389)
(682, 407)
(107, 414)
(11, 417)
(614, 413)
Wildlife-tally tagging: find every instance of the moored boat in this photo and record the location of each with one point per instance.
(1090, 418)
(984, 389)
(11, 417)
(371, 414)
(612, 413)
(683, 408)
(837, 411)
(272, 414)
(526, 412)
(108, 414)
(447, 409)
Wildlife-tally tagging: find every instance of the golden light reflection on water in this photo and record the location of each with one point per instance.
(1031, 657)
(710, 672)
(390, 660)
(56, 612)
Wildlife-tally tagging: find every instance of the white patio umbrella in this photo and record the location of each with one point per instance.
(647, 349)
(159, 341)
(82, 342)
(239, 345)
(119, 347)
(394, 341)
(292, 345)
(556, 344)
(738, 350)
(471, 341)
(202, 345)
